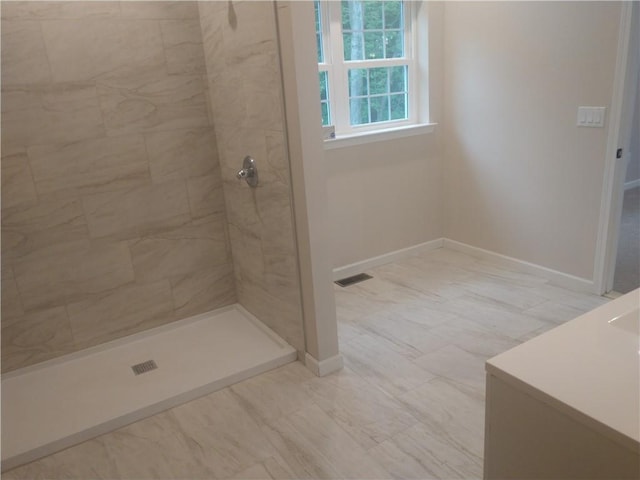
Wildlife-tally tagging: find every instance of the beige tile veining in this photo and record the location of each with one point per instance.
(24, 59)
(69, 272)
(367, 413)
(181, 154)
(455, 364)
(53, 221)
(162, 443)
(57, 10)
(283, 317)
(159, 10)
(100, 46)
(152, 102)
(203, 290)
(36, 337)
(45, 114)
(314, 446)
(274, 395)
(201, 244)
(182, 41)
(136, 212)
(221, 434)
(123, 311)
(452, 410)
(17, 182)
(11, 303)
(419, 453)
(206, 195)
(86, 460)
(90, 166)
(374, 359)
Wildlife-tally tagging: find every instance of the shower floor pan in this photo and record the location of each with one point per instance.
(65, 401)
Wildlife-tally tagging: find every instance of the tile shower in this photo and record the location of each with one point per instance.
(123, 124)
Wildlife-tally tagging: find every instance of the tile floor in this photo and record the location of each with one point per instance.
(408, 404)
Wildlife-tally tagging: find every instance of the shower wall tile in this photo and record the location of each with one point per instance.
(24, 59)
(17, 182)
(123, 311)
(181, 154)
(159, 10)
(90, 166)
(51, 113)
(11, 304)
(46, 10)
(152, 102)
(29, 228)
(282, 317)
(109, 161)
(203, 290)
(101, 46)
(137, 212)
(251, 36)
(182, 42)
(36, 337)
(69, 272)
(201, 244)
(206, 196)
(244, 84)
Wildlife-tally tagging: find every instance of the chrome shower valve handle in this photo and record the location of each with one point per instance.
(249, 171)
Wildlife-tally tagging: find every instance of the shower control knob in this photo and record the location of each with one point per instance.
(249, 171)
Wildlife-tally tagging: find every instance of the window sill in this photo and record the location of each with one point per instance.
(378, 135)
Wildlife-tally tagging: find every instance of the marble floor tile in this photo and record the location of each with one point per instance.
(474, 338)
(377, 361)
(492, 315)
(554, 312)
(272, 468)
(455, 364)
(452, 410)
(420, 453)
(156, 447)
(90, 459)
(274, 394)
(503, 291)
(409, 338)
(221, 434)
(314, 446)
(367, 413)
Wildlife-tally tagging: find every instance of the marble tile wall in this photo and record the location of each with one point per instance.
(113, 214)
(244, 79)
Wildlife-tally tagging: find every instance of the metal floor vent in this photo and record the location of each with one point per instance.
(144, 367)
(345, 282)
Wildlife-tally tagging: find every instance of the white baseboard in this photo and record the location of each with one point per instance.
(632, 184)
(360, 267)
(324, 367)
(557, 278)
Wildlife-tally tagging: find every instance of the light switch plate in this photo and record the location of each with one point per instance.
(591, 116)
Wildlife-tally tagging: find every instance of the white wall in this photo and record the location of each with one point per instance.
(387, 196)
(520, 178)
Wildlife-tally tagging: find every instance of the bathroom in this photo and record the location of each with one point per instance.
(124, 125)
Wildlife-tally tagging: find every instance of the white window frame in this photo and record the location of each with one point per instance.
(337, 69)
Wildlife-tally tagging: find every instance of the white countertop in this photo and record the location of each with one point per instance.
(589, 368)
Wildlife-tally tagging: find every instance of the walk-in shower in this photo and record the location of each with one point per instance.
(124, 125)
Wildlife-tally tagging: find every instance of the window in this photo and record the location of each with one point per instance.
(366, 64)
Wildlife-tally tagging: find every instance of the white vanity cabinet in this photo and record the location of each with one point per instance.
(566, 404)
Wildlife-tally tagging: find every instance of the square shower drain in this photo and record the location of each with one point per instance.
(144, 367)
